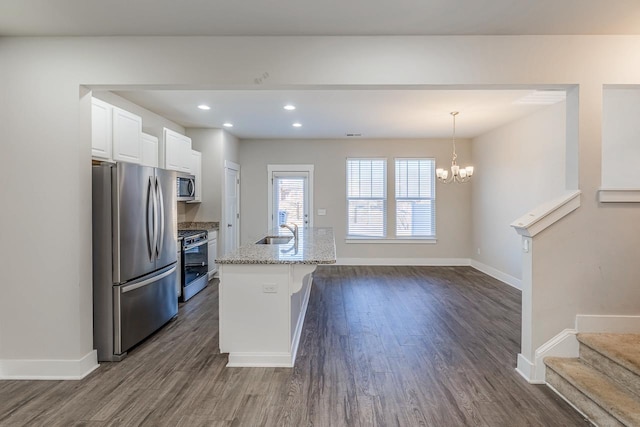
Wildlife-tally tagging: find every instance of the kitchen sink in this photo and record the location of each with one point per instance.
(274, 240)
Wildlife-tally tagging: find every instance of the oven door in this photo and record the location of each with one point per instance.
(195, 268)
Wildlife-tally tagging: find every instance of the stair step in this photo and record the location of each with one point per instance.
(616, 355)
(604, 401)
(624, 349)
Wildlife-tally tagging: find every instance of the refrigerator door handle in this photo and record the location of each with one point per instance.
(155, 220)
(161, 206)
(150, 229)
(133, 286)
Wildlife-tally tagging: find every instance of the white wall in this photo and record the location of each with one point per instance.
(586, 264)
(453, 202)
(621, 138)
(210, 143)
(519, 166)
(216, 146)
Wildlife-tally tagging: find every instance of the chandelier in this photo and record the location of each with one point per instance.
(458, 174)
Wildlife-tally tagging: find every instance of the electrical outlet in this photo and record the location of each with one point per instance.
(478, 251)
(322, 212)
(270, 288)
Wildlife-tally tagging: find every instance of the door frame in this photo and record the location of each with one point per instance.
(223, 228)
(288, 168)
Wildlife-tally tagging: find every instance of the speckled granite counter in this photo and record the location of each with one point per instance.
(315, 246)
(200, 225)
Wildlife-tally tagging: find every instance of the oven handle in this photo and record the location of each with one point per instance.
(186, 248)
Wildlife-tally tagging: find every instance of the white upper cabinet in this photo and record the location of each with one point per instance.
(127, 136)
(116, 134)
(196, 170)
(149, 150)
(101, 129)
(175, 152)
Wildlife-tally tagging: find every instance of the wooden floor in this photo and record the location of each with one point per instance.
(387, 346)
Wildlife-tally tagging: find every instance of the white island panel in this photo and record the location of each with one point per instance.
(264, 293)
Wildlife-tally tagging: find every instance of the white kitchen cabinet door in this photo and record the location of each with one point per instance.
(127, 136)
(175, 152)
(196, 170)
(149, 150)
(213, 252)
(101, 129)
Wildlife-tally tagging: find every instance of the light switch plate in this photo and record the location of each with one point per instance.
(322, 212)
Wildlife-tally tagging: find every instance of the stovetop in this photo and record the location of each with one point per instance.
(188, 233)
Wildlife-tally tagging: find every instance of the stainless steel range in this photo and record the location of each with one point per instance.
(194, 262)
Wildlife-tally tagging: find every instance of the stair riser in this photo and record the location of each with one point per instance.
(595, 413)
(613, 370)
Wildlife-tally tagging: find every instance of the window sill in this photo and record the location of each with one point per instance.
(399, 240)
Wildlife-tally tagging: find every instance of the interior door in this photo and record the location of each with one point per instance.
(290, 198)
(134, 226)
(232, 220)
(166, 251)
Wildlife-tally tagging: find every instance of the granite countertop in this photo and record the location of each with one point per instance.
(315, 246)
(200, 225)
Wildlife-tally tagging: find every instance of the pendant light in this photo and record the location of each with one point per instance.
(458, 174)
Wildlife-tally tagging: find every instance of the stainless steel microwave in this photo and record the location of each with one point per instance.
(186, 186)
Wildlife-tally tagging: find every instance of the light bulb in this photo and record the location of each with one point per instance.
(469, 170)
(455, 169)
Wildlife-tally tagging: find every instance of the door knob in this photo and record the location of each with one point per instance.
(229, 225)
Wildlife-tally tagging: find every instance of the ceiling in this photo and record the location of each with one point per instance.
(325, 113)
(313, 17)
(336, 113)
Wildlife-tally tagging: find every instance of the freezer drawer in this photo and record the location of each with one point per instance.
(142, 307)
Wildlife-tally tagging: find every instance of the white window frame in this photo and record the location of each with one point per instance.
(271, 169)
(432, 199)
(367, 239)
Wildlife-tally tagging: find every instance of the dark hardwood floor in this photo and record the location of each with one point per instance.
(386, 346)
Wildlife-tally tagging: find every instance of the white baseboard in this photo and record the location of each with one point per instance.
(565, 344)
(49, 369)
(525, 368)
(497, 274)
(608, 323)
(260, 360)
(443, 262)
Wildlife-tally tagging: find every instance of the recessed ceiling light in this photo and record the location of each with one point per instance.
(204, 107)
(289, 107)
(297, 125)
(228, 125)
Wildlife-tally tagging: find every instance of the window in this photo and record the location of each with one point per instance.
(415, 198)
(366, 197)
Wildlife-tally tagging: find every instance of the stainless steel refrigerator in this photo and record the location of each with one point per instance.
(134, 255)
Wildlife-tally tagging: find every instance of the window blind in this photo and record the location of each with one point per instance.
(415, 197)
(366, 197)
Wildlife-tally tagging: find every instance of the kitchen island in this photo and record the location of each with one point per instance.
(264, 292)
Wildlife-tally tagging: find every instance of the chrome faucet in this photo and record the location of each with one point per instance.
(293, 229)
